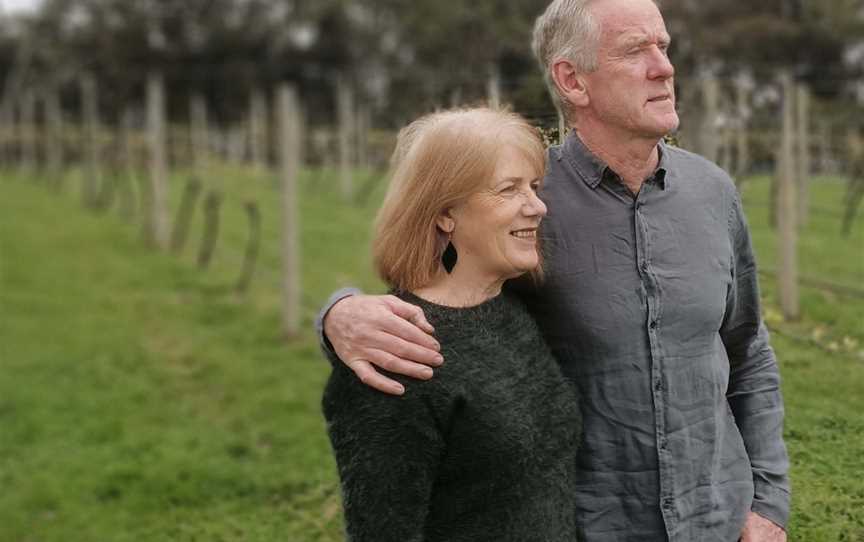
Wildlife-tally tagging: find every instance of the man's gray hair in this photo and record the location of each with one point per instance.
(566, 30)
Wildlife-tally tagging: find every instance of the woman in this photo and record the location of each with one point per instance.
(486, 449)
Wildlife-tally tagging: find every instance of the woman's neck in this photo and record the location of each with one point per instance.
(460, 289)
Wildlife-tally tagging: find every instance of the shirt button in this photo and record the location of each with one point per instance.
(653, 324)
(645, 266)
(658, 385)
(668, 503)
(639, 205)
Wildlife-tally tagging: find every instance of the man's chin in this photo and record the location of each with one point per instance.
(667, 125)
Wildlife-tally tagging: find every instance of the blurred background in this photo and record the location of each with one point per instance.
(182, 184)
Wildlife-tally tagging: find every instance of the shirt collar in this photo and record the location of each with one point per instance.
(592, 170)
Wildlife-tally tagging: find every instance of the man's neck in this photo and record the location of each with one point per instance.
(633, 159)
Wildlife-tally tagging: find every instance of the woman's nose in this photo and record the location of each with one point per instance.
(534, 206)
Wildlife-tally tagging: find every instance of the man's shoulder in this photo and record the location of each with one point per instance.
(689, 167)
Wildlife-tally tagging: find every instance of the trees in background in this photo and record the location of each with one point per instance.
(402, 57)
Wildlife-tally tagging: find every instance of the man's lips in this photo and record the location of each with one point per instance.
(660, 98)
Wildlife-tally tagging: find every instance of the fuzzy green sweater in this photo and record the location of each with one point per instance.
(484, 451)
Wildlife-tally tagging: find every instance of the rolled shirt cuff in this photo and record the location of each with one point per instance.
(323, 342)
(772, 503)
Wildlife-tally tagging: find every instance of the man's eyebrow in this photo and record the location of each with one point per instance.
(638, 39)
(645, 39)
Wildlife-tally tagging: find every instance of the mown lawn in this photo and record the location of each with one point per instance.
(141, 399)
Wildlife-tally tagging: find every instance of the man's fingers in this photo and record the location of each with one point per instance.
(409, 351)
(394, 364)
(412, 313)
(372, 378)
(412, 343)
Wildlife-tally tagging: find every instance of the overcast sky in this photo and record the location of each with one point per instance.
(9, 6)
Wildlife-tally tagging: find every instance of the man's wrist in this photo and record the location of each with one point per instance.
(772, 504)
(335, 297)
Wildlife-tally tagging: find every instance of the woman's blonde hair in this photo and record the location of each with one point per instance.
(440, 160)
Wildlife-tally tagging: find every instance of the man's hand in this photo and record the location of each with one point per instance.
(383, 331)
(759, 529)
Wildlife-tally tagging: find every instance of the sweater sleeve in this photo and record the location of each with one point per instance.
(387, 450)
(754, 380)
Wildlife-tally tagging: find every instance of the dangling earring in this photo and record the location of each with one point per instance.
(449, 256)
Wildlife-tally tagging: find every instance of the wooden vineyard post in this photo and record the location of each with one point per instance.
(345, 109)
(787, 271)
(200, 132)
(90, 112)
(250, 256)
(825, 158)
(364, 125)
(55, 137)
(7, 132)
(184, 214)
(802, 110)
(159, 234)
(855, 184)
(258, 130)
(212, 206)
(27, 132)
(290, 138)
(742, 161)
(710, 133)
(493, 86)
(125, 167)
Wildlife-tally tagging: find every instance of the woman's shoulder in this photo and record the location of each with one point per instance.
(488, 338)
(346, 395)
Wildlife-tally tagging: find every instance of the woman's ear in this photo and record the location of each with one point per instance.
(445, 221)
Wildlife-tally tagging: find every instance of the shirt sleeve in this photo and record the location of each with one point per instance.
(754, 381)
(388, 452)
(323, 342)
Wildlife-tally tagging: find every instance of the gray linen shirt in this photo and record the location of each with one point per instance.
(651, 305)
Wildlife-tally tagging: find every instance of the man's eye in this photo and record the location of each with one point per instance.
(535, 186)
(507, 189)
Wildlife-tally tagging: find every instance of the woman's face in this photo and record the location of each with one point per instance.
(495, 230)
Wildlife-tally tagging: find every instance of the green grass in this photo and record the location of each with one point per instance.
(140, 399)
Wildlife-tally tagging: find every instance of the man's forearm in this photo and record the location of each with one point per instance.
(757, 404)
(754, 380)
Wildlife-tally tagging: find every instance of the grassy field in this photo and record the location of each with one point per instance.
(141, 399)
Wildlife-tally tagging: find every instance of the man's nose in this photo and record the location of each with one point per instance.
(661, 67)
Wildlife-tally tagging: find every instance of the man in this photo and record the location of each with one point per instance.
(650, 303)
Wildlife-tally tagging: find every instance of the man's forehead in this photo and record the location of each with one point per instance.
(630, 20)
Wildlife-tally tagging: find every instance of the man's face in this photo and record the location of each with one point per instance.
(632, 90)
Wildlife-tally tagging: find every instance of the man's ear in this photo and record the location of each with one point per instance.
(445, 221)
(570, 83)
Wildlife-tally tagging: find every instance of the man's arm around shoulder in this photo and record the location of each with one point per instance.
(382, 331)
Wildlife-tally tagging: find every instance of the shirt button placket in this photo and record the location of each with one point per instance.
(667, 502)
